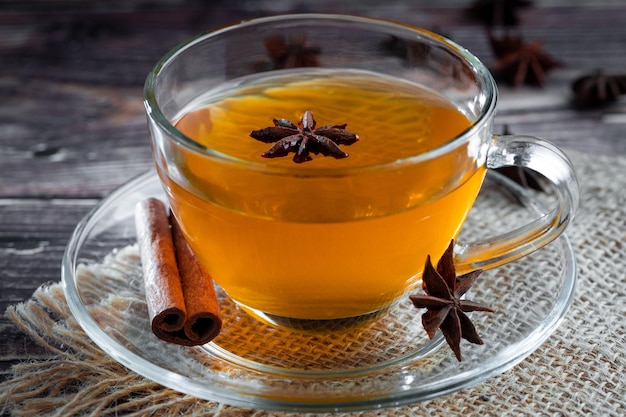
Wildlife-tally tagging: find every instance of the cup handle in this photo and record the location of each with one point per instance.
(541, 156)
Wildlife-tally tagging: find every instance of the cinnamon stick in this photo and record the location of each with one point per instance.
(204, 320)
(181, 299)
(164, 294)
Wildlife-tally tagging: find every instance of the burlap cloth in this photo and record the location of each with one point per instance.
(580, 370)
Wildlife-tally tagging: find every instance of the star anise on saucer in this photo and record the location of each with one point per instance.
(304, 138)
(521, 62)
(598, 89)
(446, 309)
(291, 53)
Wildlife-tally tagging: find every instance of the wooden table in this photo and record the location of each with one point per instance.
(72, 126)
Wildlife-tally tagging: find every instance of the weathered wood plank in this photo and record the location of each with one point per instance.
(33, 236)
(69, 139)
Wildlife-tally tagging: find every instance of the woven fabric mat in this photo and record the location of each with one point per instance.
(580, 370)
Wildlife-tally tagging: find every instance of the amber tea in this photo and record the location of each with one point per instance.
(309, 236)
(327, 245)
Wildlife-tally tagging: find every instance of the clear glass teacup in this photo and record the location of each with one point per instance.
(323, 235)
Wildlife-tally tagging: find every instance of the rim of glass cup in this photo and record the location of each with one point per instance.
(479, 69)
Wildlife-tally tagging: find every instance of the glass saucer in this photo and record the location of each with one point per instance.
(386, 362)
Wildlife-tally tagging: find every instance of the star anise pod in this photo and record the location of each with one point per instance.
(520, 62)
(410, 51)
(446, 309)
(292, 53)
(497, 12)
(598, 89)
(304, 138)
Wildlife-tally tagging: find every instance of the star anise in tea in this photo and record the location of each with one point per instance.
(304, 138)
(443, 299)
(520, 62)
(598, 89)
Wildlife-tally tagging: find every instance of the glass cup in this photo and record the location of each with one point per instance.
(305, 243)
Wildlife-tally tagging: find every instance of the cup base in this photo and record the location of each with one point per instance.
(313, 325)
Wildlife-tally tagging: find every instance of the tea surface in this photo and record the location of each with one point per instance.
(393, 119)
